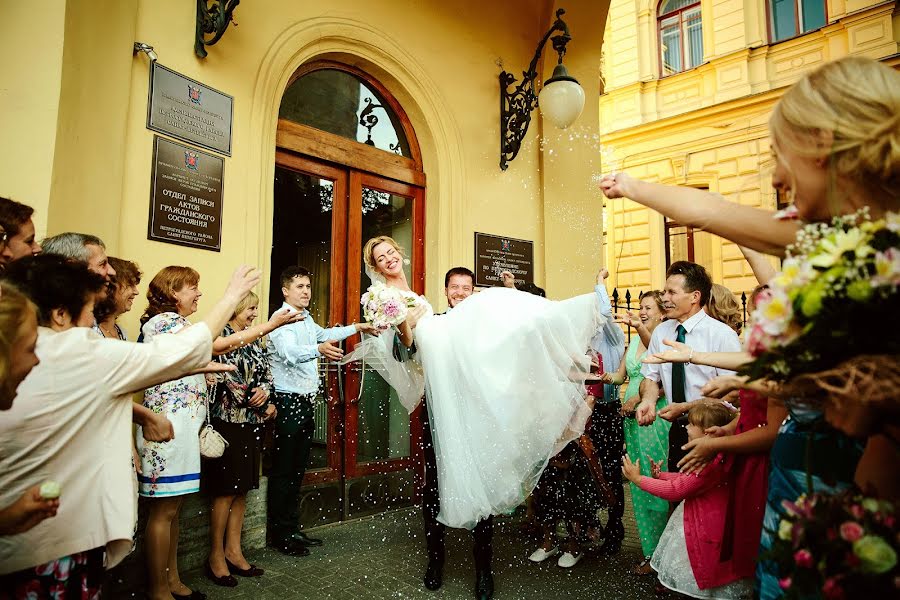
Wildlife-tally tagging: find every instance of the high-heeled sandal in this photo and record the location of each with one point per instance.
(642, 569)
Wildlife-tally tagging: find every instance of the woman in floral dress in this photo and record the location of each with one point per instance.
(170, 470)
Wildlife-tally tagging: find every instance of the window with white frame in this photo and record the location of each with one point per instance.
(680, 36)
(790, 18)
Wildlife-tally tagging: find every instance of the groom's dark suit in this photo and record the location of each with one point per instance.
(431, 499)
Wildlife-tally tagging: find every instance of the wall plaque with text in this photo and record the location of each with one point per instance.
(495, 254)
(188, 110)
(185, 196)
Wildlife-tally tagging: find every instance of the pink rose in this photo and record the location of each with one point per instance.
(889, 521)
(803, 558)
(857, 511)
(851, 531)
(784, 583)
(832, 589)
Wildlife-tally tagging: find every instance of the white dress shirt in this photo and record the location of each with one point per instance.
(71, 423)
(703, 334)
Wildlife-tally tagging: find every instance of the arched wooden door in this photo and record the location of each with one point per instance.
(347, 168)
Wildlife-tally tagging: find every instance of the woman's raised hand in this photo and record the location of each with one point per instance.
(285, 316)
(414, 314)
(619, 185)
(629, 318)
(700, 453)
(680, 353)
(244, 279)
(720, 386)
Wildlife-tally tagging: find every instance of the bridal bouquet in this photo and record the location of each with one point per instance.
(834, 300)
(839, 546)
(384, 306)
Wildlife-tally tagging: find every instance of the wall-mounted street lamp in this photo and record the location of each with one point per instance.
(212, 20)
(561, 99)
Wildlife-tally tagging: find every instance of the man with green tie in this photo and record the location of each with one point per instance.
(684, 298)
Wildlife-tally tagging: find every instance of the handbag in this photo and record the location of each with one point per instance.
(212, 444)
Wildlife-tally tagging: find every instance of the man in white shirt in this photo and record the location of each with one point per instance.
(294, 352)
(686, 294)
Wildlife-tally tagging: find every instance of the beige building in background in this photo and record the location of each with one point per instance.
(699, 118)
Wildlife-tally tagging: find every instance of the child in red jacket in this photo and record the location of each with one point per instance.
(687, 558)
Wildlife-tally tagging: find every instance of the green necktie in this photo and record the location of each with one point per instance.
(678, 371)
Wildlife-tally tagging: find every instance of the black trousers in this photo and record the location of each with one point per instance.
(607, 432)
(678, 437)
(294, 427)
(431, 506)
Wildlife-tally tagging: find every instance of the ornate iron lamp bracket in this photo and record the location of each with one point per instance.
(516, 106)
(212, 20)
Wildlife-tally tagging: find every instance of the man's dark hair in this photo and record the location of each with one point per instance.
(53, 281)
(294, 271)
(13, 215)
(531, 288)
(696, 278)
(458, 271)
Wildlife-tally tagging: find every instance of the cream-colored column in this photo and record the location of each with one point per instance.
(570, 159)
(31, 57)
(89, 162)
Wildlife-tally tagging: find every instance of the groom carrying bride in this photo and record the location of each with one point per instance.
(503, 374)
(459, 283)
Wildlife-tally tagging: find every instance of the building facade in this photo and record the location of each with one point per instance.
(301, 182)
(689, 86)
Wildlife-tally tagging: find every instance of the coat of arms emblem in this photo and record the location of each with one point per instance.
(505, 245)
(191, 160)
(194, 94)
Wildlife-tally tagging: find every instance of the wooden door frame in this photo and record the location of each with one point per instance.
(357, 182)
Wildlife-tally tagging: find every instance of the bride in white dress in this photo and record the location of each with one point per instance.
(503, 374)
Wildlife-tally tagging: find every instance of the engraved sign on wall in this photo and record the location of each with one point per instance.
(185, 196)
(188, 110)
(495, 254)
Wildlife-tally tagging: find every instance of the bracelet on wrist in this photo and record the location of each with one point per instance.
(691, 357)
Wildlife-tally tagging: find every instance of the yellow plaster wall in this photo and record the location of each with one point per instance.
(437, 57)
(29, 100)
(707, 127)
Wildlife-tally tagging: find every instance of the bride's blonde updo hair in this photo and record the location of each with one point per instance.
(857, 100)
(369, 250)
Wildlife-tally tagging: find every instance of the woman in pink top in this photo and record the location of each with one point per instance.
(687, 558)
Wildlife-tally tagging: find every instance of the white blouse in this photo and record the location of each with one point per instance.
(71, 423)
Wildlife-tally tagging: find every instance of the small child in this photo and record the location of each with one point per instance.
(687, 558)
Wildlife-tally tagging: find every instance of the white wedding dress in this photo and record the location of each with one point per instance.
(504, 378)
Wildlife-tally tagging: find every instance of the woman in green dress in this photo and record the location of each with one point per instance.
(649, 443)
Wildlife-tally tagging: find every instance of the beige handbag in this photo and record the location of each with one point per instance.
(212, 444)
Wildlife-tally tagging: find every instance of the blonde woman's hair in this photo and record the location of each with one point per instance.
(723, 306)
(857, 101)
(14, 307)
(369, 249)
(246, 302)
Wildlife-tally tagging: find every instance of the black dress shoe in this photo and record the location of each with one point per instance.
(610, 546)
(194, 595)
(434, 574)
(484, 585)
(226, 581)
(304, 539)
(290, 547)
(253, 571)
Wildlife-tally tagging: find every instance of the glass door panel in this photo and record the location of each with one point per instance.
(383, 423)
(307, 197)
(382, 433)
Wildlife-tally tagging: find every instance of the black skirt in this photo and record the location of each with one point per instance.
(237, 470)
